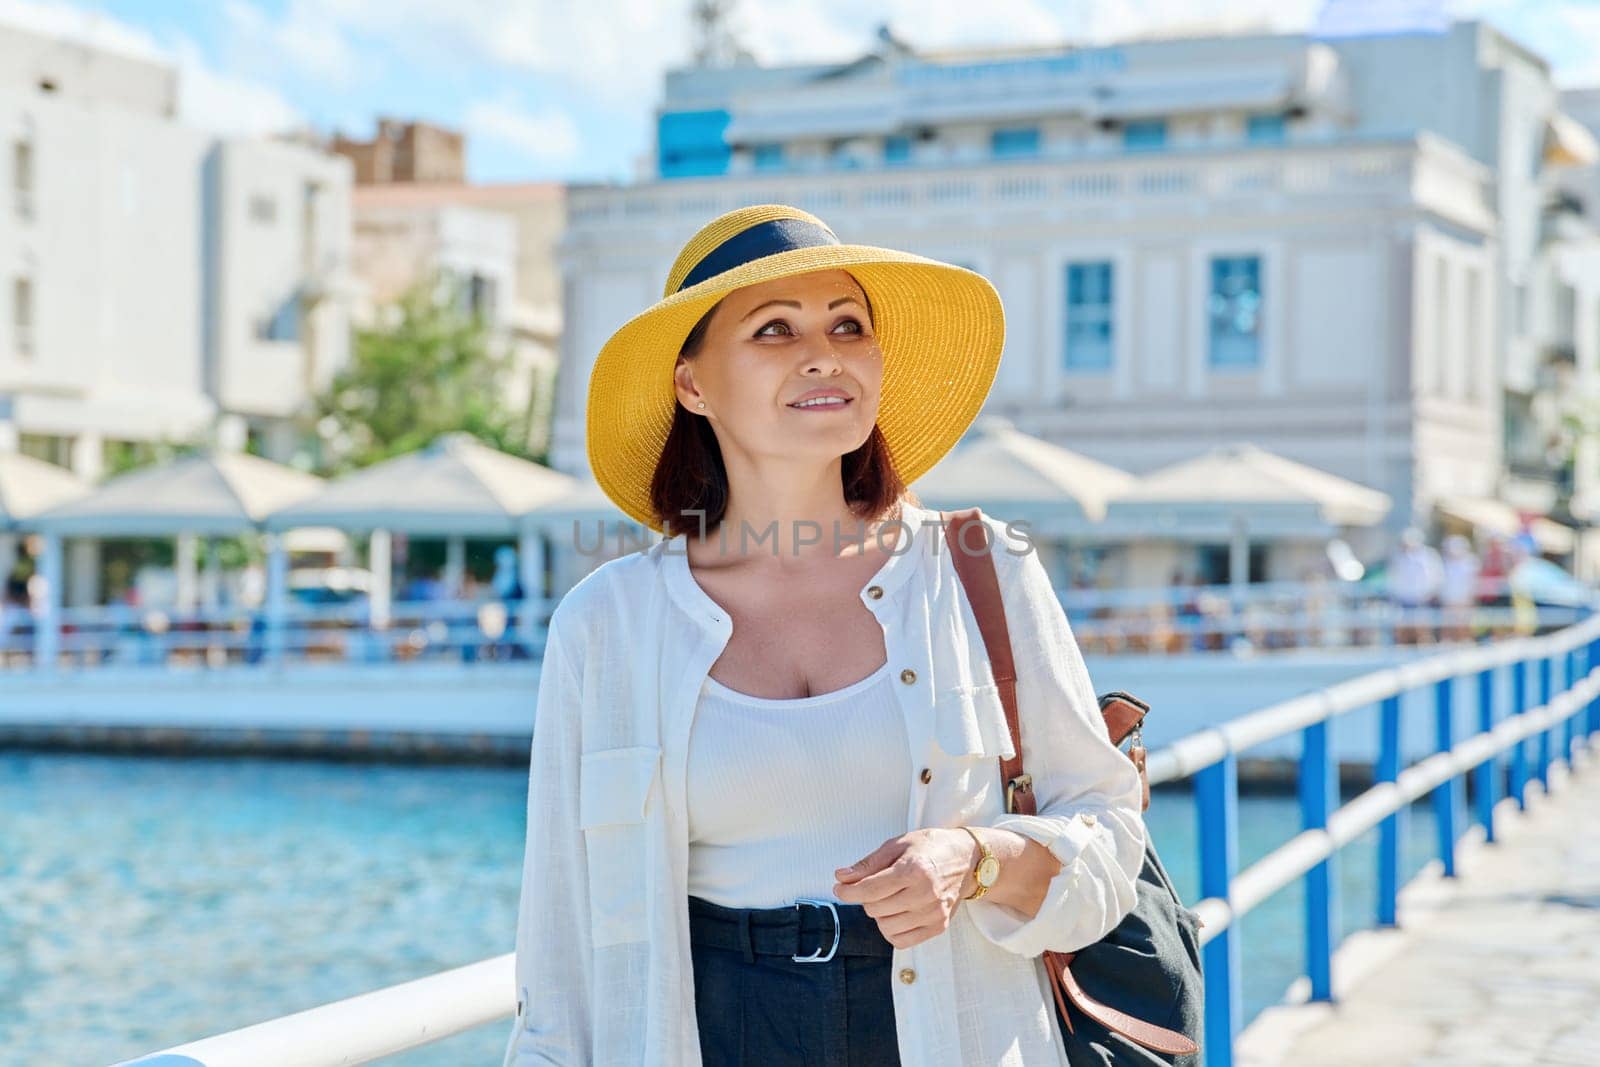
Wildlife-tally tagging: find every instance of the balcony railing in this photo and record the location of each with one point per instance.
(1427, 172)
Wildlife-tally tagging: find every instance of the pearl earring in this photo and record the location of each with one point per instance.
(701, 404)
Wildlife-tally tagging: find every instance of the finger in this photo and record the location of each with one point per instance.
(876, 860)
(896, 925)
(905, 900)
(873, 887)
(915, 936)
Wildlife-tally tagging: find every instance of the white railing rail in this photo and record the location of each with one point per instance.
(360, 1029)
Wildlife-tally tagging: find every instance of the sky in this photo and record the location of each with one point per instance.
(566, 89)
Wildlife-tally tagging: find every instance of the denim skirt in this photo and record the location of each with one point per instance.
(755, 1003)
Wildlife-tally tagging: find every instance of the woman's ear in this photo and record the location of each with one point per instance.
(683, 382)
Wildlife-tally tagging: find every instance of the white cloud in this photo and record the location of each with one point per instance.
(305, 38)
(227, 105)
(614, 51)
(547, 136)
(51, 18)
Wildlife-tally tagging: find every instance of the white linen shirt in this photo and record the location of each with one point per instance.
(603, 963)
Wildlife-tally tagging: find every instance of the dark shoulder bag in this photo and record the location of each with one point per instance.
(1136, 996)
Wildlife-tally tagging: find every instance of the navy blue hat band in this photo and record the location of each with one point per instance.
(762, 239)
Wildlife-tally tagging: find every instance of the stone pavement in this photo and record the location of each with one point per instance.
(1501, 969)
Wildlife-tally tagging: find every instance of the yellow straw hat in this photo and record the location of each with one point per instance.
(940, 327)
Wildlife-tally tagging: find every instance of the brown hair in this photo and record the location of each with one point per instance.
(689, 489)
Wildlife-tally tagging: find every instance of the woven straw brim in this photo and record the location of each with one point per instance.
(941, 329)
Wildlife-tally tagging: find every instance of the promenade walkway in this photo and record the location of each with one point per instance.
(1500, 968)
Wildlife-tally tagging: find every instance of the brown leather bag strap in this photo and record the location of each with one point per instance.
(1122, 713)
(975, 567)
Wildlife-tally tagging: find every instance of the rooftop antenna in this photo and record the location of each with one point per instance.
(715, 44)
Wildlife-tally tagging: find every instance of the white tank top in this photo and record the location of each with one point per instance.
(781, 792)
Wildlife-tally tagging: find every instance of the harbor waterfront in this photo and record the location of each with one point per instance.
(193, 896)
(483, 712)
(311, 316)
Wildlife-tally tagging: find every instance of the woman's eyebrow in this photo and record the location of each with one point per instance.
(796, 304)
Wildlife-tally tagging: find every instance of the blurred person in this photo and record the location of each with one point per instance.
(1458, 588)
(506, 587)
(1415, 573)
(1494, 581)
(727, 739)
(1524, 541)
(15, 618)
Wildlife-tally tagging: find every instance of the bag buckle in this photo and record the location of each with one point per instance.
(1021, 781)
(817, 957)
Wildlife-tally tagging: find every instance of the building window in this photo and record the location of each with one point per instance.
(478, 297)
(22, 178)
(1014, 142)
(1090, 316)
(1235, 311)
(690, 144)
(263, 208)
(22, 315)
(283, 324)
(768, 156)
(896, 150)
(1143, 135)
(1264, 129)
(843, 155)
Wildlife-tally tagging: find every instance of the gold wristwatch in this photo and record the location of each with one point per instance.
(987, 872)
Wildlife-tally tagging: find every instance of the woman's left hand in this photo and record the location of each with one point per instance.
(911, 884)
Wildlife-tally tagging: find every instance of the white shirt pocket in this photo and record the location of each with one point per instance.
(970, 720)
(615, 785)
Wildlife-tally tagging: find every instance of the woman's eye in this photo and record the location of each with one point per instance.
(762, 332)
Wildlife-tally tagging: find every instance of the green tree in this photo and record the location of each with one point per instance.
(432, 369)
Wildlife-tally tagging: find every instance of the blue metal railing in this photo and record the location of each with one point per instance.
(397, 1018)
(1524, 743)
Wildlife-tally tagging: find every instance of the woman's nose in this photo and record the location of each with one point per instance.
(823, 357)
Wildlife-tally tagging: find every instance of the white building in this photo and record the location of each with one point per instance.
(156, 282)
(1309, 244)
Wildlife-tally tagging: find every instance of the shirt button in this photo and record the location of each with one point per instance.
(908, 676)
(927, 776)
(1087, 817)
(907, 975)
(875, 591)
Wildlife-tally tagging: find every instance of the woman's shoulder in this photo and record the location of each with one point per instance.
(1011, 545)
(606, 596)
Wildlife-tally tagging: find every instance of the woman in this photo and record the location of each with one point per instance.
(765, 812)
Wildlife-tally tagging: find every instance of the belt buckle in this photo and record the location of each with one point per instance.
(817, 957)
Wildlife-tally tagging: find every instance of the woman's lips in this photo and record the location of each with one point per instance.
(836, 404)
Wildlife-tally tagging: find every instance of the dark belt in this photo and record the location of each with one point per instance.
(809, 931)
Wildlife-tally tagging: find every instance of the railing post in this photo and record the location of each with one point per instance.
(1519, 751)
(1217, 806)
(1486, 774)
(1446, 797)
(1319, 790)
(1569, 725)
(1541, 767)
(1594, 705)
(1390, 829)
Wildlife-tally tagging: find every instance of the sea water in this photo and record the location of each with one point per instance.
(145, 901)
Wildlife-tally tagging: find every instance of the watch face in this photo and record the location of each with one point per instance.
(988, 871)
